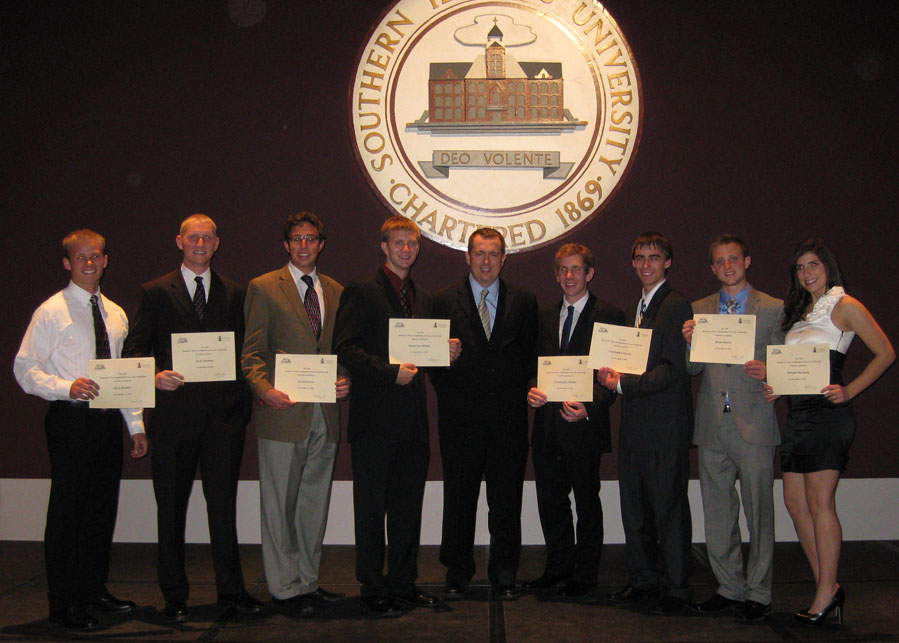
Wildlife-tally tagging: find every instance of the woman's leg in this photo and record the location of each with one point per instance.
(820, 491)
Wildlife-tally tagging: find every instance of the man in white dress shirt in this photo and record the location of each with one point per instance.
(72, 327)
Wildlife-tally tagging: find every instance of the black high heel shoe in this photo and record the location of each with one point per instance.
(835, 606)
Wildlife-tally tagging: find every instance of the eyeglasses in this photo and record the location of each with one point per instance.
(308, 238)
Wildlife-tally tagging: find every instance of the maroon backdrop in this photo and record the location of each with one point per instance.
(773, 120)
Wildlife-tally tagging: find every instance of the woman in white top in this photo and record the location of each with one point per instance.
(820, 428)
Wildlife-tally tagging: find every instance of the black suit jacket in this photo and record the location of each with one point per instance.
(488, 383)
(547, 416)
(166, 308)
(657, 406)
(380, 409)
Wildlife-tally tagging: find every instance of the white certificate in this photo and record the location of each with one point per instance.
(623, 348)
(306, 378)
(204, 357)
(423, 342)
(723, 339)
(125, 383)
(798, 369)
(565, 378)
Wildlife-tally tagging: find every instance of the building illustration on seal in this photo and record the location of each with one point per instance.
(496, 93)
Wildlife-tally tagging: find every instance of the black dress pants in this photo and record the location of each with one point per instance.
(85, 447)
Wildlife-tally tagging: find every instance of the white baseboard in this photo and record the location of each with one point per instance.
(867, 508)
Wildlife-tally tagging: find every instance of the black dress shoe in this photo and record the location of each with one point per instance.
(545, 582)
(668, 605)
(506, 593)
(454, 592)
(715, 604)
(244, 603)
(752, 611)
(74, 618)
(176, 611)
(110, 603)
(293, 607)
(631, 594)
(576, 589)
(322, 597)
(417, 597)
(381, 606)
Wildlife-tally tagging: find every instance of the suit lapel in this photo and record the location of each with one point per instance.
(655, 304)
(584, 325)
(465, 300)
(181, 297)
(389, 292)
(752, 304)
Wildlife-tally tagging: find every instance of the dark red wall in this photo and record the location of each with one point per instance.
(773, 120)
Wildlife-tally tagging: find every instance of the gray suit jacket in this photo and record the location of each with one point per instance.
(277, 322)
(754, 417)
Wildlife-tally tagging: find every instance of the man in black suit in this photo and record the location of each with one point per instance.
(388, 424)
(570, 437)
(482, 414)
(194, 422)
(655, 438)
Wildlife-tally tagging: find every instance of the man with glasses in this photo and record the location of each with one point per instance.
(569, 438)
(291, 311)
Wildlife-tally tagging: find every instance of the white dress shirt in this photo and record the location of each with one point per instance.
(578, 309)
(190, 281)
(60, 341)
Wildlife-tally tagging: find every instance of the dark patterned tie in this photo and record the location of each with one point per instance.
(404, 299)
(101, 338)
(642, 311)
(732, 306)
(200, 298)
(312, 307)
(566, 330)
(484, 313)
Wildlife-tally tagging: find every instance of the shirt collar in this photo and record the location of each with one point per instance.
(648, 298)
(79, 294)
(578, 305)
(189, 275)
(298, 274)
(742, 298)
(492, 289)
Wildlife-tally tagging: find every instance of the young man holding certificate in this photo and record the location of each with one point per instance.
(654, 440)
(74, 326)
(736, 435)
(195, 422)
(388, 425)
(290, 316)
(570, 437)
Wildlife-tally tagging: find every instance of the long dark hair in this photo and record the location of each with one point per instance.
(798, 298)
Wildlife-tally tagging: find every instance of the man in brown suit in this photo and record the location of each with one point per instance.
(291, 311)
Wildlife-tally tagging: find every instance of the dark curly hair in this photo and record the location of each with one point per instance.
(798, 298)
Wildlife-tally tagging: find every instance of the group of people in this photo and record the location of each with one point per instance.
(496, 335)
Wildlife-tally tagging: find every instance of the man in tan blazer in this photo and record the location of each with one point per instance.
(291, 310)
(736, 435)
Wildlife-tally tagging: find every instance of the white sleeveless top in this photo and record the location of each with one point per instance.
(818, 328)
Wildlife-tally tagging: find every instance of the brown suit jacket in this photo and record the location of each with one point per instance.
(277, 322)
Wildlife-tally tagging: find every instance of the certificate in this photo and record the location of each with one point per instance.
(798, 369)
(204, 357)
(723, 339)
(623, 348)
(565, 378)
(306, 378)
(125, 383)
(423, 342)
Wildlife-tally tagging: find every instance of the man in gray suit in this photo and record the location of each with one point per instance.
(736, 435)
(291, 311)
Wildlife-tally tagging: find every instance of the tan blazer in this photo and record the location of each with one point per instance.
(754, 417)
(277, 322)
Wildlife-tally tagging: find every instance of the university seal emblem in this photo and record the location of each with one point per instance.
(522, 115)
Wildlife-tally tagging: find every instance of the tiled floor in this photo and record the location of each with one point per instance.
(869, 574)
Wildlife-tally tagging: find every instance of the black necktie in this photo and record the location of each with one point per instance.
(101, 338)
(200, 298)
(566, 330)
(404, 299)
(312, 307)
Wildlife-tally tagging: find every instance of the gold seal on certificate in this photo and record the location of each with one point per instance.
(306, 378)
(565, 378)
(798, 369)
(723, 339)
(204, 357)
(125, 383)
(423, 342)
(623, 348)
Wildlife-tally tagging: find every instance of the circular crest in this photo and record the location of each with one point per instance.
(521, 115)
